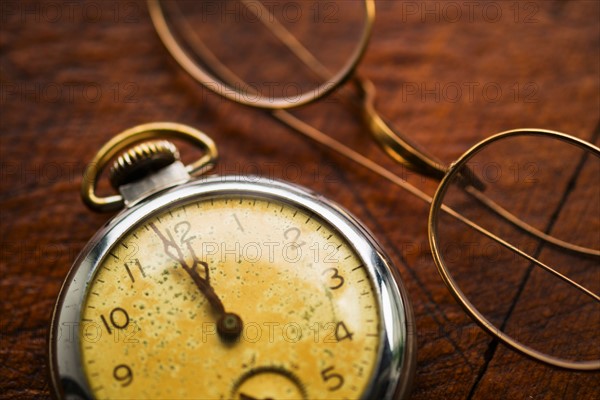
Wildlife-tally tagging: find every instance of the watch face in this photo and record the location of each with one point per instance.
(240, 296)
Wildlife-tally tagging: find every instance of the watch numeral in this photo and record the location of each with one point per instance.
(335, 380)
(118, 317)
(341, 332)
(183, 228)
(139, 265)
(338, 280)
(123, 374)
(293, 234)
(237, 221)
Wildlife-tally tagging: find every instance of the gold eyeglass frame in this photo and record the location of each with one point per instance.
(397, 145)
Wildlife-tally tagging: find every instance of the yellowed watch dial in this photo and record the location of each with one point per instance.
(230, 297)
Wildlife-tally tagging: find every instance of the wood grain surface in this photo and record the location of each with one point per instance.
(75, 74)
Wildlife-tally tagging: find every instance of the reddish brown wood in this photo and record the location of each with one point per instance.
(72, 80)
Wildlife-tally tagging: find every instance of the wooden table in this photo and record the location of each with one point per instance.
(73, 75)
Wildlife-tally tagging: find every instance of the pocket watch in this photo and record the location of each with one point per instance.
(224, 287)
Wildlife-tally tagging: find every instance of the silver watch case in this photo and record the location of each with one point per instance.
(393, 374)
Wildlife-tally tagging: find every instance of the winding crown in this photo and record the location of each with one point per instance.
(142, 160)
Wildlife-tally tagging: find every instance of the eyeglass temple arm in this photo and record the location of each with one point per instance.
(525, 227)
(516, 250)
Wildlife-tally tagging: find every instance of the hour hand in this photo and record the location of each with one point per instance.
(229, 325)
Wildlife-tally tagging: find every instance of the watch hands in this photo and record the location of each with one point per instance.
(229, 325)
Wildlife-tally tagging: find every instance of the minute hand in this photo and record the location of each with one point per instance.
(229, 325)
(175, 252)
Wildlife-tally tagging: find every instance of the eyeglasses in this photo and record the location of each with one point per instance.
(494, 216)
